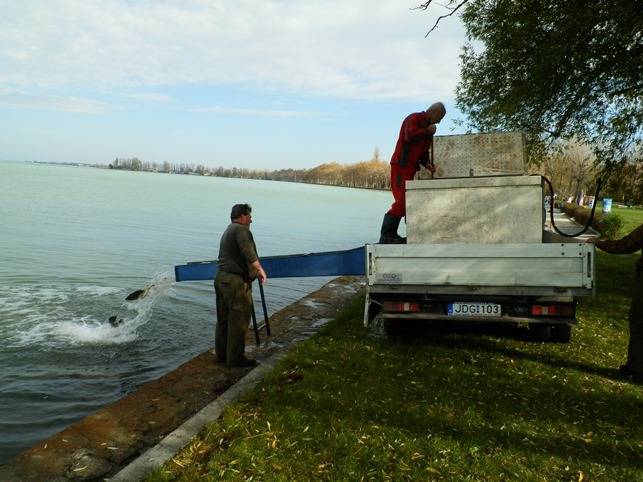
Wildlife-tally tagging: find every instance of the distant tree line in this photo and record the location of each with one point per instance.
(574, 172)
(371, 174)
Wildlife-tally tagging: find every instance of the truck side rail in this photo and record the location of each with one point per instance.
(546, 267)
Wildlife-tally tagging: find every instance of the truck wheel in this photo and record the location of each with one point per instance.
(562, 333)
(373, 311)
(539, 332)
(393, 327)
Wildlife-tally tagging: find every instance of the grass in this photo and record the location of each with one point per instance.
(632, 218)
(458, 405)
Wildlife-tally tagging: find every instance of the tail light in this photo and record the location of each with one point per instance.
(402, 306)
(552, 310)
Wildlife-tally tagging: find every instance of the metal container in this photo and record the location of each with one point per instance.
(487, 210)
(484, 154)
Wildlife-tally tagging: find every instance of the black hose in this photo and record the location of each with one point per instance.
(551, 208)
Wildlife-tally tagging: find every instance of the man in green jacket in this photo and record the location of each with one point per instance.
(238, 267)
(626, 245)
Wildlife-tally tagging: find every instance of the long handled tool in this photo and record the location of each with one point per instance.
(254, 324)
(431, 160)
(266, 322)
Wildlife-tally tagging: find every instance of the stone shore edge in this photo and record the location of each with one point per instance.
(130, 437)
(179, 438)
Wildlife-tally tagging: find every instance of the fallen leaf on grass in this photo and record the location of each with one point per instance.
(588, 437)
(273, 444)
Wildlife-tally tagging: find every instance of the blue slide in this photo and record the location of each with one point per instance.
(329, 263)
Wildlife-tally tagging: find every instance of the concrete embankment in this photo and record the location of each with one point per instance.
(99, 445)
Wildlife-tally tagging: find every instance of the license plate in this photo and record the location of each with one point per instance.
(473, 309)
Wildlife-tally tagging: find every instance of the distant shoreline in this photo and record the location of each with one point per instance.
(75, 164)
(371, 175)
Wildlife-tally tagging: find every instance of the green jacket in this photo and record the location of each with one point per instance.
(237, 251)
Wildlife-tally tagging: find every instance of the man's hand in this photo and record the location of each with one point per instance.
(431, 129)
(431, 168)
(261, 274)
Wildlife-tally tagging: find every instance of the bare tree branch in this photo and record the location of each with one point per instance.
(426, 5)
(423, 6)
(452, 10)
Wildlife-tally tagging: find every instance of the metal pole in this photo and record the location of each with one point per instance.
(431, 162)
(265, 310)
(254, 320)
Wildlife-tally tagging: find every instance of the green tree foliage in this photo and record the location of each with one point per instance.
(609, 225)
(570, 169)
(557, 70)
(627, 187)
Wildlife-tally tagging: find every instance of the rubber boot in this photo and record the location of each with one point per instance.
(398, 239)
(388, 233)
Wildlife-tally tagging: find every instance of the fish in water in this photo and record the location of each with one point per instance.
(116, 321)
(135, 295)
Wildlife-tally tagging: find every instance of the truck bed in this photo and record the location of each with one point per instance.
(543, 269)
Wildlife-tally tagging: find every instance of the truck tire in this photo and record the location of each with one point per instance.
(373, 310)
(539, 332)
(562, 333)
(393, 327)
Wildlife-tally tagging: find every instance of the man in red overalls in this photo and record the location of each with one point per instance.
(411, 150)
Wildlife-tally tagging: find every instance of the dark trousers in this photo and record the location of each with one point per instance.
(234, 302)
(635, 348)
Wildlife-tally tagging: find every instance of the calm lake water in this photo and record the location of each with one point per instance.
(75, 241)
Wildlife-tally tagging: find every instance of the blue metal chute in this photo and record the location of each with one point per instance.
(329, 263)
(197, 271)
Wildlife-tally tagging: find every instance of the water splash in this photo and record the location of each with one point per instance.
(161, 287)
(54, 316)
(98, 290)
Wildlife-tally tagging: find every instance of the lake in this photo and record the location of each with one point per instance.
(76, 240)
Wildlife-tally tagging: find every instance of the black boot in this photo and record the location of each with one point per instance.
(388, 233)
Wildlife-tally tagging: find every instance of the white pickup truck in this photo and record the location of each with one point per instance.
(478, 252)
(529, 284)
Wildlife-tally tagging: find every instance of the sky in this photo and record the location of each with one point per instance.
(256, 84)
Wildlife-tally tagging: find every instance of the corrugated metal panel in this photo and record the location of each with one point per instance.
(478, 155)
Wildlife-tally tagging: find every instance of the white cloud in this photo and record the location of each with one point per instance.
(41, 100)
(150, 97)
(257, 112)
(349, 49)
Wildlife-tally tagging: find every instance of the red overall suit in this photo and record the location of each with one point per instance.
(411, 150)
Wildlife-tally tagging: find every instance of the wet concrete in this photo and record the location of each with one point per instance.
(102, 443)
